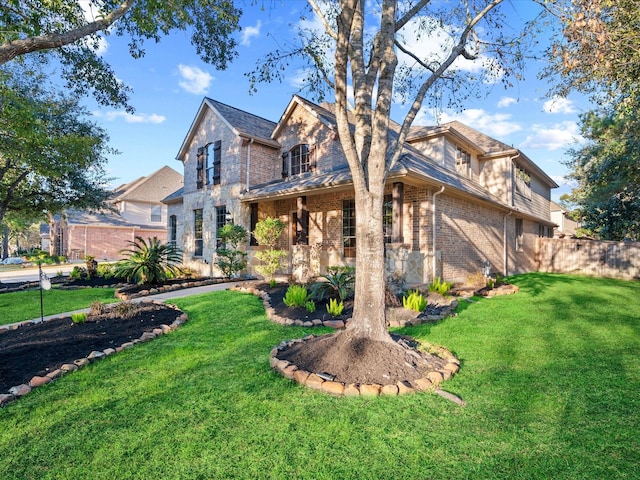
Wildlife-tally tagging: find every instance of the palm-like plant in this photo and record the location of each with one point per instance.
(149, 263)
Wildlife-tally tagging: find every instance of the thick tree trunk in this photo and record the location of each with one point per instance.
(369, 308)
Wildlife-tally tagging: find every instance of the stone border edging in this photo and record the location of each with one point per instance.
(22, 390)
(274, 317)
(170, 288)
(316, 382)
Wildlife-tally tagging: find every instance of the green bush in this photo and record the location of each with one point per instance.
(106, 270)
(230, 259)
(267, 233)
(334, 308)
(78, 273)
(440, 286)
(310, 306)
(296, 296)
(148, 263)
(78, 317)
(414, 301)
(339, 281)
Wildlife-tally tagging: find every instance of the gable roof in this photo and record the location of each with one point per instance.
(102, 218)
(243, 124)
(324, 115)
(150, 189)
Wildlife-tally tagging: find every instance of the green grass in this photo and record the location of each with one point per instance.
(551, 379)
(25, 305)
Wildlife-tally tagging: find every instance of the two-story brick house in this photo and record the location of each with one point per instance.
(455, 199)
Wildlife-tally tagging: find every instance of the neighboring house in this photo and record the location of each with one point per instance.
(455, 199)
(566, 226)
(137, 210)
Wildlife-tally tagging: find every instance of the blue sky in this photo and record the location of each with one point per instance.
(170, 82)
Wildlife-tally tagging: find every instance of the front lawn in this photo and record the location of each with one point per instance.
(550, 375)
(25, 305)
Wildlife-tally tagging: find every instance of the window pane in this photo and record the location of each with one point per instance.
(221, 221)
(349, 228)
(387, 218)
(300, 159)
(197, 232)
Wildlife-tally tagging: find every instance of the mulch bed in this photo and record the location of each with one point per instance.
(37, 349)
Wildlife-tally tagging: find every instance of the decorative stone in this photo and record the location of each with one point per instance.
(165, 328)
(351, 390)
(334, 388)
(450, 396)
(422, 384)
(127, 345)
(405, 388)
(20, 390)
(307, 324)
(146, 336)
(334, 323)
(300, 376)
(273, 362)
(82, 362)
(37, 381)
(390, 390)
(289, 371)
(69, 367)
(435, 377)
(282, 364)
(317, 322)
(370, 390)
(157, 331)
(6, 398)
(314, 381)
(57, 373)
(109, 351)
(95, 355)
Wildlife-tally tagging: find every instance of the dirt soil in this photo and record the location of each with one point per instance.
(361, 360)
(37, 349)
(356, 360)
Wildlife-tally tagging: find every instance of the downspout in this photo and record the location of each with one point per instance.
(504, 244)
(434, 265)
(248, 161)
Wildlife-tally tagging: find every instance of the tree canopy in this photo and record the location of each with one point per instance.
(50, 158)
(70, 30)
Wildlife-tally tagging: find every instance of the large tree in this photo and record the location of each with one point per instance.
(369, 41)
(71, 29)
(597, 53)
(50, 157)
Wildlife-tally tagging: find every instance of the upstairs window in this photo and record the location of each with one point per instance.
(214, 162)
(463, 162)
(200, 173)
(300, 159)
(156, 213)
(522, 180)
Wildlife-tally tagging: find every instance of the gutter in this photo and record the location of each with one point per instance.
(434, 265)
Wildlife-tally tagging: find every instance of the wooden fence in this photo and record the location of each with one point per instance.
(589, 257)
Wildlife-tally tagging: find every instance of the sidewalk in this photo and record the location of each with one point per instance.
(185, 292)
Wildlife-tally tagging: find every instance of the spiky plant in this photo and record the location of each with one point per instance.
(149, 263)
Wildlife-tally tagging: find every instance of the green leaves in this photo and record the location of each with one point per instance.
(148, 263)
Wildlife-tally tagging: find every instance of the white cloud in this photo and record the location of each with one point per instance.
(90, 14)
(194, 80)
(558, 105)
(553, 137)
(497, 125)
(249, 32)
(506, 101)
(131, 117)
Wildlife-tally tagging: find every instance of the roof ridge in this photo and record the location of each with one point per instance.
(212, 100)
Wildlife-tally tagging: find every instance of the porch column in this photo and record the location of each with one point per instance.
(302, 226)
(397, 207)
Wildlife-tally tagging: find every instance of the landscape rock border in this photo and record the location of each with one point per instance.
(169, 288)
(19, 391)
(274, 317)
(324, 383)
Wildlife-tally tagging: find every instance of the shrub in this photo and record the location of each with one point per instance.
(296, 296)
(310, 306)
(267, 233)
(124, 310)
(77, 273)
(414, 301)
(106, 270)
(78, 317)
(97, 308)
(230, 259)
(91, 265)
(339, 282)
(334, 308)
(440, 286)
(149, 262)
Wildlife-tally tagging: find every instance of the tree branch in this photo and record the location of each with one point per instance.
(10, 50)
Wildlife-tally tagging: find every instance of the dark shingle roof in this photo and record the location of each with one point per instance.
(244, 122)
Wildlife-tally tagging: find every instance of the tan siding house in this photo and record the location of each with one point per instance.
(456, 198)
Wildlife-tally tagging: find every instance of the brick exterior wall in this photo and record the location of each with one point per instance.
(104, 243)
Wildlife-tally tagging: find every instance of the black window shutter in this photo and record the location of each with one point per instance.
(200, 158)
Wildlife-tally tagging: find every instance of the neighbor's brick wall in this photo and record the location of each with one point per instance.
(105, 243)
